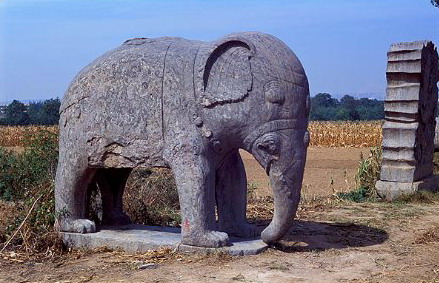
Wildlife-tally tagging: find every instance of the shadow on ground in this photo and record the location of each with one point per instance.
(312, 236)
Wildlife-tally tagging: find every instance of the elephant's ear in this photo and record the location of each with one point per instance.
(222, 71)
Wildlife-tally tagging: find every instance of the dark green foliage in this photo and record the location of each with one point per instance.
(33, 167)
(49, 113)
(36, 113)
(326, 108)
(358, 195)
(16, 114)
(435, 3)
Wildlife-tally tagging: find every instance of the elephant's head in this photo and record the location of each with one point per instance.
(260, 93)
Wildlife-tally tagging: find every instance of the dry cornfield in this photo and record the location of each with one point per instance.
(324, 134)
(345, 134)
(14, 136)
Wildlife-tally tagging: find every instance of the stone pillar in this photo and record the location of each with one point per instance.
(409, 127)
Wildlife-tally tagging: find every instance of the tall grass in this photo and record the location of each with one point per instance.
(27, 184)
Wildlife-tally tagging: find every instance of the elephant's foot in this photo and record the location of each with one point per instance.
(78, 226)
(117, 217)
(242, 230)
(208, 239)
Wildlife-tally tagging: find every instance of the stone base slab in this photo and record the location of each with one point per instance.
(391, 190)
(140, 238)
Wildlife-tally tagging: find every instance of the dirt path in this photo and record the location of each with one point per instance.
(354, 243)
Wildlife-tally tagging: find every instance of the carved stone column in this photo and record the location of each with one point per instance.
(409, 127)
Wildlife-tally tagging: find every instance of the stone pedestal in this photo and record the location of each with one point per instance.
(409, 127)
(391, 190)
(134, 238)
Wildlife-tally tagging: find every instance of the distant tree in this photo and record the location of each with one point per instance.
(342, 114)
(16, 114)
(50, 112)
(326, 108)
(34, 113)
(323, 107)
(371, 109)
(435, 3)
(349, 103)
(324, 100)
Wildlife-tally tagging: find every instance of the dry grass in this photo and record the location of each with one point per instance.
(324, 134)
(346, 134)
(14, 136)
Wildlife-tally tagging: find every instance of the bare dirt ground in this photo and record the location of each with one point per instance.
(330, 242)
(327, 170)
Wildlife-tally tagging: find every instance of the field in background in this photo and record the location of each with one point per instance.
(15, 136)
(345, 134)
(323, 134)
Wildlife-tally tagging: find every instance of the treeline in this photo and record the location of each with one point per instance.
(326, 108)
(35, 113)
(323, 108)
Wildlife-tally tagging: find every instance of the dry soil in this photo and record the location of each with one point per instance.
(330, 242)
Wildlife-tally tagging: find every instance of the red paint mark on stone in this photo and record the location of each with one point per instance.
(186, 225)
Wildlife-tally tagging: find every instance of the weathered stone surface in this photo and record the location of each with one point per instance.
(393, 173)
(404, 92)
(403, 107)
(410, 108)
(187, 105)
(139, 238)
(400, 153)
(436, 136)
(392, 190)
(399, 135)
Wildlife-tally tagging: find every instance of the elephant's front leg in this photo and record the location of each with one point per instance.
(231, 197)
(195, 178)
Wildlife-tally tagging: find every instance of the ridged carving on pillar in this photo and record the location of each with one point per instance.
(410, 109)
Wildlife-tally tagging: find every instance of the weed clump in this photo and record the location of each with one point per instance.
(367, 175)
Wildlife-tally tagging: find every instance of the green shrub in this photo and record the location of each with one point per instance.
(35, 166)
(27, 179)
(367, 175)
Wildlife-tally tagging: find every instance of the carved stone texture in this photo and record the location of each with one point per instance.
(436, 136)
(187, 105)
(410, 108)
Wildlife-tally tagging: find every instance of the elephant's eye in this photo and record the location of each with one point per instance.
(269, 143)
(273, 92)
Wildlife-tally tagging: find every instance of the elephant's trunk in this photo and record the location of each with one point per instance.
(286, 181)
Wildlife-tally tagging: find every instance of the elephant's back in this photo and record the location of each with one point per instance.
(113, 107)
(138, 61)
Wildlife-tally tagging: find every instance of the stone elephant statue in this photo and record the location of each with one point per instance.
(187, 105)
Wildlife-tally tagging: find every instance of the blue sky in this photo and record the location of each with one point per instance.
(341, 43)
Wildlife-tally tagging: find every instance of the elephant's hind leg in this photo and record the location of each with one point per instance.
(111, 182)
(231, 197)
(72, 179)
